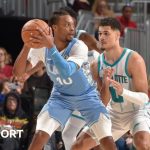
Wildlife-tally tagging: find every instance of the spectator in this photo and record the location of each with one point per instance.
(4, 89)
(125, 19)
(121, 144)
(5, 69)
(12, 117)
(129, 141)
(9, 60)
(7, 86)
(76, 5)
(39, 79)
(100, 10)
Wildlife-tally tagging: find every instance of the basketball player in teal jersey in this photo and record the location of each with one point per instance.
(122, 82)
(66, 64)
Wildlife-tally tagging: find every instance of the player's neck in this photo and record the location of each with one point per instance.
(61, 45)
(113, 54)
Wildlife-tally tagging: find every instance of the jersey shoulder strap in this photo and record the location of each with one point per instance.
(70, 45)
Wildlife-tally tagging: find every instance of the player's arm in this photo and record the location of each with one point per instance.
(90, 41)
(37, 67)
(105, 92)
(31, 71)
(78, 55)
(28, 62)
(137, 70)
(102, 88)
(21, 64)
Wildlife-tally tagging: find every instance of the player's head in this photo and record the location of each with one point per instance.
(72, 13)
(109, 33)
(63, 25)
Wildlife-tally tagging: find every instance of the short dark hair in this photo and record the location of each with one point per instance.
(126, 6)
(70, 11)
(55, 16)
(112, 22)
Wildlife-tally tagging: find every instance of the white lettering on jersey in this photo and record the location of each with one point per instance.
(64, 81)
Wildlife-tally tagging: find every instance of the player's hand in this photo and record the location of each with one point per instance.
(43, 39)
(107, 74)
(117, 86)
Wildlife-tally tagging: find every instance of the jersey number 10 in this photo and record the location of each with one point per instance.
(64, 81)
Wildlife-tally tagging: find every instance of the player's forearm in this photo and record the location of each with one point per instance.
(105, 94)
(65, 68)
(37, 67)
(20, 64)
(139, 98)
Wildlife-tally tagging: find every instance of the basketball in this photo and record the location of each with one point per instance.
(31, 27)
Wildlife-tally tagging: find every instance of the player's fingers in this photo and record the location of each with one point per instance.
(50, 31)
(108, 71)
(41, 32)
(35, 37)
(113, 82)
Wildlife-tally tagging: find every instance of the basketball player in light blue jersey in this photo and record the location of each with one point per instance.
(76, 122)
(74, 89)
(122, 82)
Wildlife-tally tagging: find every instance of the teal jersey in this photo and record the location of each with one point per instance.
(121, 75)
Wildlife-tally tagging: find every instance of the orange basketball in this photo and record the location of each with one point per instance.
(31, 27)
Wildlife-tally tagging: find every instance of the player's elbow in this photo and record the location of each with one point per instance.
(16, 73)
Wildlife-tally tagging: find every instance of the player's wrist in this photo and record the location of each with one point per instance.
(106, 83)
(52, 50)
(26, 47)
(50, 43)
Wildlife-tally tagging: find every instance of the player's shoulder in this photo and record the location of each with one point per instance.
(135, 59)
(81, 44)
(135, 56)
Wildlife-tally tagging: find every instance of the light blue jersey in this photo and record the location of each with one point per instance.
(76, 92)
(77, 84)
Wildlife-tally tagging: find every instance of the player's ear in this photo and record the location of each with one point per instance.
(53, 27)
(117, 35)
